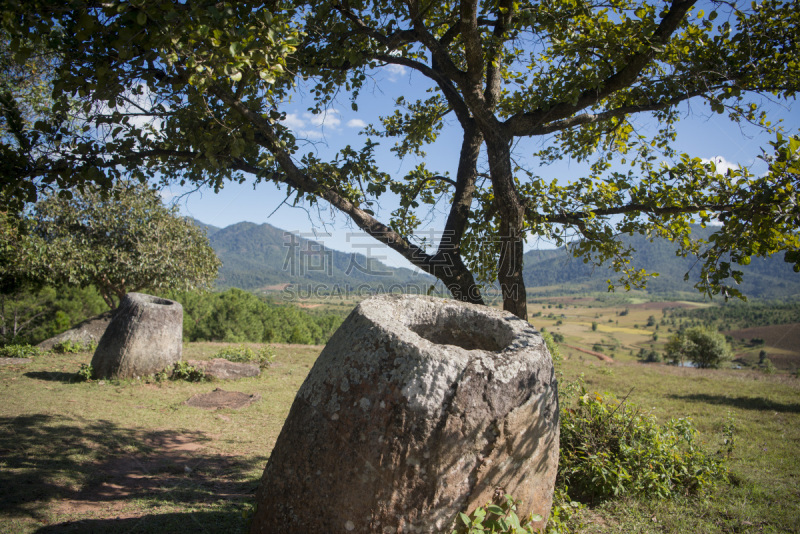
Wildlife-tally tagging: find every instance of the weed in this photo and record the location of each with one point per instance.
(18, 351)
(498, 518)
(85, 373)
(264, 356)
(183, 371)
(70, 346)
(610, 449)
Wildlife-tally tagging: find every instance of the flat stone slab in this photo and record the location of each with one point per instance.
(220, 398)
(14, 361)
(222, 369)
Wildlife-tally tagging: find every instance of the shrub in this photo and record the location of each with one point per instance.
(768, 367)
(18, 351)
(264, 356)
(85, 373)
(183, 371)
(498, 518)
(610, 449)
(649, 356)
(70, 346)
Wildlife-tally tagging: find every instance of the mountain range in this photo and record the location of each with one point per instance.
(768, 278)
(258, 257)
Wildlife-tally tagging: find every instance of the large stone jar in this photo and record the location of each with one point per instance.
(417, 408)
(144, 337)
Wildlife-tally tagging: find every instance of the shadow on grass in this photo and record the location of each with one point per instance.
(745, 403)
(57, 468)
(53, 376)
(220, 522)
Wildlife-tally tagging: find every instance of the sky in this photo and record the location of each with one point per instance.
(701, 133)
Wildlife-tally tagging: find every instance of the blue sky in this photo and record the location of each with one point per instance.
(701, 133)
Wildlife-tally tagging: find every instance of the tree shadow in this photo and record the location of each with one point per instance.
(52, 376)
(210, 522)
(64, 467)
(745, 403)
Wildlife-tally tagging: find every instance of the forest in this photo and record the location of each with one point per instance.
(29, 317)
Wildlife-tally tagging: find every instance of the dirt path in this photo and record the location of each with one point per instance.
(598, 355)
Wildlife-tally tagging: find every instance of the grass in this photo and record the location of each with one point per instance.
(763, 496)
(130, 456)
(107, 456)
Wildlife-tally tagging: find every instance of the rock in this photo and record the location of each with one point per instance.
(220, 398)
(222, 369)
(416, 409)
(88, 332)
(143, 338)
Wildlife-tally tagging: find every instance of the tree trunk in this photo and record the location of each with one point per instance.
(457, 277)
(511, 214)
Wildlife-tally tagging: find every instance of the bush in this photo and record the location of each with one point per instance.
(264, 356)
(183, 371)
(85, 373)
(768, 367)
(610, 449)
(18, 351)
(499, 518)
(649, 356)
(71, 347)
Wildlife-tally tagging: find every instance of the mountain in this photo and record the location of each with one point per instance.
(769, 278)
(261, 256)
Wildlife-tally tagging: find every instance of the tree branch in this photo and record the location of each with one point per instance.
(627, 75)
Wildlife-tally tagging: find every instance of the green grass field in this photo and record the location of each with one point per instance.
(110, 456)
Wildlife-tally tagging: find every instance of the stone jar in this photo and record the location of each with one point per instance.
(416, 409)
(144, 337)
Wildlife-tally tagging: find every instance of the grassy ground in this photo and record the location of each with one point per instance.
(132, 457)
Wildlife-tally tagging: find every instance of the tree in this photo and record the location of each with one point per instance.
(195, 92)
(119, 242)
(707, 349)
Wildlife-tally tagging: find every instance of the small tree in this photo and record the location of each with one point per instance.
(119, 242)
(707, 349)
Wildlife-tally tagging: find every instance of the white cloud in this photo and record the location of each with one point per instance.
(395, 72)
(311, 126)
(356, 123)
(723, 165)
(328, 118)
(293, 121)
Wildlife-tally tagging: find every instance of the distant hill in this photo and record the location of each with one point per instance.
(770, 278)
(261, 256)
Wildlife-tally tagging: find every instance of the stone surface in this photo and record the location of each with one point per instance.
(416, 409)
(222, 369)
(89, 331)
(144, 337)
(220, 398)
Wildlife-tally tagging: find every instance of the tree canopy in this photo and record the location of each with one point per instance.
(705, 348)
(120, 241)
(194, 92)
